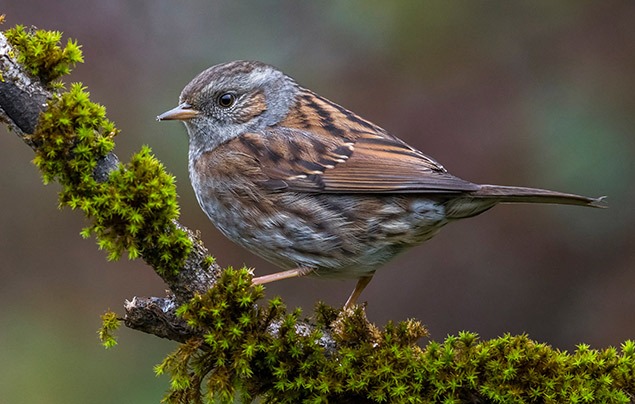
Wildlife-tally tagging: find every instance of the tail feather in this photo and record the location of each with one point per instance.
(503, 194)
(487, 196)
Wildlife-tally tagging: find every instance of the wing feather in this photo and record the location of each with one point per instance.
(306, 161)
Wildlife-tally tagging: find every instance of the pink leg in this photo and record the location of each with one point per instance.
(291, 273)
(361, 285)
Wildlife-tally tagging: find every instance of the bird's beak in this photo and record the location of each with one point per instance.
(181, 113)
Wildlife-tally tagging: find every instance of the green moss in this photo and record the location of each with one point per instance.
(110, 324)
(134, 210)
(40, 53)
(72, 135)
(233, 335)
(248, 351)
(209, 261)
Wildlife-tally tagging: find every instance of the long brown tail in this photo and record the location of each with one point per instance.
(477, 202)
(502, 193)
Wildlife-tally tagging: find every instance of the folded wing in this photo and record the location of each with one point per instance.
(298, 160)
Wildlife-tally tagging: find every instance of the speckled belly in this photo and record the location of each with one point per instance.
(340, 236)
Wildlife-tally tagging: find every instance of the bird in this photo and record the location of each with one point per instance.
(313, 187)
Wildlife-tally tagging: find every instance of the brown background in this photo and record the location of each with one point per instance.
(527, 93)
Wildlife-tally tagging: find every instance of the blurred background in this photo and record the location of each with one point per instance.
(535, 93)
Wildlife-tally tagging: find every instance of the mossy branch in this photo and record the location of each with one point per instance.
(233, 345)
(132, 207)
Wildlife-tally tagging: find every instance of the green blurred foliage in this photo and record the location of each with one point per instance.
(529, 93)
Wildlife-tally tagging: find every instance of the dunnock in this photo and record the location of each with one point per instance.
(312, 187)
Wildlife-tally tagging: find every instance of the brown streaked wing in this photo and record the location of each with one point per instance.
(384, 165)
(298, 160)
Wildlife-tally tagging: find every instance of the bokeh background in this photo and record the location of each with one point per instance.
(535, 93)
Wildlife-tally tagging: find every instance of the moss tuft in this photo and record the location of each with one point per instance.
(72, 135)
(134, 211)
(40, 53)
(110, 323)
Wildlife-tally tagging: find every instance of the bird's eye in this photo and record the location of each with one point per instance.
(226, 100)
